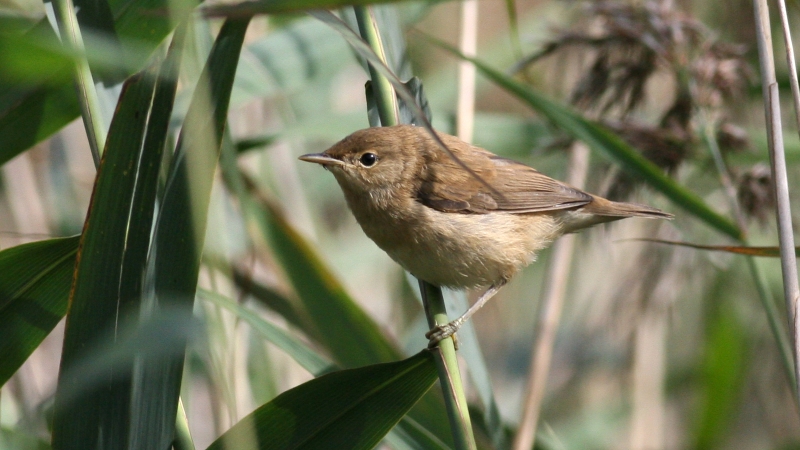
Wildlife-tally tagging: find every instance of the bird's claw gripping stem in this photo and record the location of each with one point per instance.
(441, 332)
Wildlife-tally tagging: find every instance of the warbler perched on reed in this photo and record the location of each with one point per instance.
(450, 227)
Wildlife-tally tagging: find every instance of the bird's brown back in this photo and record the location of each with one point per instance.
(504, 185)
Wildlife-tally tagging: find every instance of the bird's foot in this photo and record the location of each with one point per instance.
(441, 332)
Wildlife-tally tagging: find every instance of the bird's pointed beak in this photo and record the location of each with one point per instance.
(322, 159)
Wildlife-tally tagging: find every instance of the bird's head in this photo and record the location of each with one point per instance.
(373, 160)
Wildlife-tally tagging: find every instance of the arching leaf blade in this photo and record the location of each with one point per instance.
(33, 297)
(98, 299)
(352, 409)
(180, 232)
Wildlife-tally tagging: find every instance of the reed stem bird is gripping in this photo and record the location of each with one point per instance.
(450, 227)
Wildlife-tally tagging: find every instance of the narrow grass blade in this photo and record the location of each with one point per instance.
(300, 352)
(251, 8)
(513, 28)
(180, 231)
(774, 132)
(350, 334)
(34, 290)
(772, 252)
(84, 80)
(352, 409)
(607, 143)
(274, 301)
(255, 142)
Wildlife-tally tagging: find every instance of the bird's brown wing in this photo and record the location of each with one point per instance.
(515, 187)
(526, 190)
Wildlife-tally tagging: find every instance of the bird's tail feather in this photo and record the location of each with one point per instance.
(602, 207)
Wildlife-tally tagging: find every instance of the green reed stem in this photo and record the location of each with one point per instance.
(445, 353)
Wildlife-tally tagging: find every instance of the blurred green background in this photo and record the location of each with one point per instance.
(659, 346)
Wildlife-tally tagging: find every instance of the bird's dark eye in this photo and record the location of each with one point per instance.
(368, 159)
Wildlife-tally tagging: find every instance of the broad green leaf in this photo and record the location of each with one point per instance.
(31, 112)
(105, 289)
(607, 143)
(112, 266)
(180, 230)
(350, 409)
(15, 439)
(408, 432)
(142, 25)
(37, 58)
(96, 16)
(34, 290)
(32, 56)
(120, 349)
(37, 114)
(15, 24)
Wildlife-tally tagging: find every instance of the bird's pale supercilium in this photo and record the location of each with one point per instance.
(445, 225)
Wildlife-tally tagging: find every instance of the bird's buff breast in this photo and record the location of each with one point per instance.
(459, 250)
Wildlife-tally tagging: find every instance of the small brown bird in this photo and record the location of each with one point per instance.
(443, 224)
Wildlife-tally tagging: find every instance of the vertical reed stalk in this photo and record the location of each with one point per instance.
(87, 93)
(773, 316)
(550, 315)
(778, 165)
(445, 353)
(468, 44)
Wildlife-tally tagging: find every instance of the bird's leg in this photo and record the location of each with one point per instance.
(440, 332)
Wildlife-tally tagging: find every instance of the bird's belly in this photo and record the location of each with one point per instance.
(467, 250)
